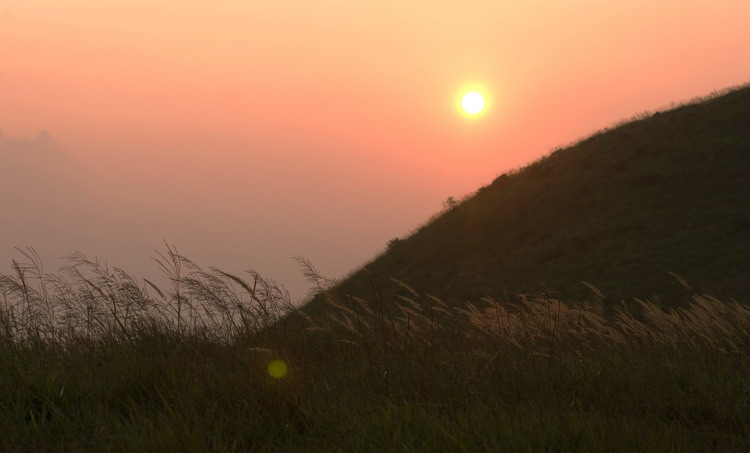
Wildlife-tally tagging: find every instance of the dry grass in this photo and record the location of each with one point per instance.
(92, 301)
(95, 360)
(541, 324)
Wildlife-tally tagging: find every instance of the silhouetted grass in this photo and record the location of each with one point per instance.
(94, 360)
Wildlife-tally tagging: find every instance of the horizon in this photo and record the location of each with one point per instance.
(273, 134)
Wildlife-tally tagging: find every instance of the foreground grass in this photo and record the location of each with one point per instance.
(120, 371)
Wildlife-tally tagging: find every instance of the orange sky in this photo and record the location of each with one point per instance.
(246, 132)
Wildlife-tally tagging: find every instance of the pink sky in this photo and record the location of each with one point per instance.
(247, 132)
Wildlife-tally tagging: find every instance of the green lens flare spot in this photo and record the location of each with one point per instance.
(277, 368)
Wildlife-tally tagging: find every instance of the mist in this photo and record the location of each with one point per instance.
(219, 208)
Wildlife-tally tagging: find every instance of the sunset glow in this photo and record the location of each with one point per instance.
(249, 132)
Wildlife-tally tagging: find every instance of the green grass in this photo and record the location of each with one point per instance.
(93, 361)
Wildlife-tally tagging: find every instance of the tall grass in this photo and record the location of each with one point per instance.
(95, 360)
(91, 301)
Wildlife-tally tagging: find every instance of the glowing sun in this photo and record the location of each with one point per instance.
(472, 102)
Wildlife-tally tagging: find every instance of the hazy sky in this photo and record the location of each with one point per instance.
(247, 132)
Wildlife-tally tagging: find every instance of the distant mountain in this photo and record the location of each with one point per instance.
(668, 192)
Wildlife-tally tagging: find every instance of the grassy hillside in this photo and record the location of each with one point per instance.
(669, 192)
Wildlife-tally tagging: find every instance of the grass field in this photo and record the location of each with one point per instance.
(93, 360)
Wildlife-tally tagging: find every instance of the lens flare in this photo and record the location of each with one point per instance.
(277, 369)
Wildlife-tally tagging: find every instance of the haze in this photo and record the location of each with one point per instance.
(248, 132)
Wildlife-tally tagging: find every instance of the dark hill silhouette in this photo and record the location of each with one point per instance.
(668, 192)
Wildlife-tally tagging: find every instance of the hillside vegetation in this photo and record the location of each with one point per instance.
(669, 192)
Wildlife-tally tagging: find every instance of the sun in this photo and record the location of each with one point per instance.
(472, 102)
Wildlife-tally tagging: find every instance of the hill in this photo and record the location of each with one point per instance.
(665, 193)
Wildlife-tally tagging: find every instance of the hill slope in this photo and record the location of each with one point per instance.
(621, 209)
